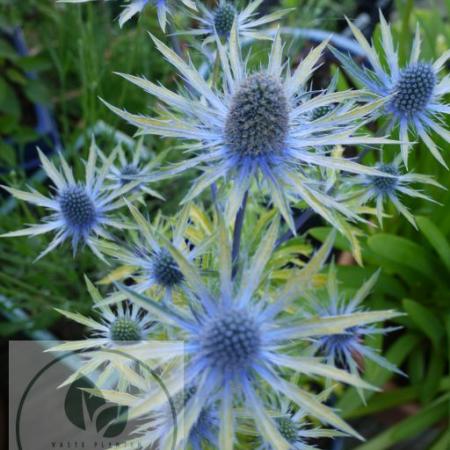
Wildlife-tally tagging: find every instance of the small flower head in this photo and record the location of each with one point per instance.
(415, 93)
(414, 90)
(293, 426)
(125, 329)
(216, 24)
(165, 269)
(124, 324)
(131, 169)
(385, 185)
(288, 428)
(79, 210)
(346, 349)
(391, 189)
(154, 267)
(223, 19)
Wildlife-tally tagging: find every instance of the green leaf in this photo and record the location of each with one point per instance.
(416, 365)
(402, 251)
(9, 103)
(386, 400)
(396, 354)
(425, 320)
(443, 442)
(409, 427)
(433, 378)
(436, 238)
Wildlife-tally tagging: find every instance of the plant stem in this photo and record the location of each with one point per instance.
(299, 222)
(238, 224)
(176, 45)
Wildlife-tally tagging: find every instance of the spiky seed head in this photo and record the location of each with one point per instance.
(287, 428)
(258, 119)
(231, 341)
(128, 171)
(124, 330)
(77, 208)
(223, 19)
(166, 270)
(414, 89)
(321, 111)
(385, 185)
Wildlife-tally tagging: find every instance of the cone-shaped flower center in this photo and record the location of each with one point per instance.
(166, 270)
(127, 172)
(125, 330)
(385, 185)
(231, 341)
(223, 19)
(287, 428)
(257, 122)
(414, 89)
(77, 208)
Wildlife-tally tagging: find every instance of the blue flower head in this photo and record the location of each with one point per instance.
(235, 334)
(294, 427)
(415, 93)
(346, 349)
(154, 267)
(218, 22)
(133, 168)
(382, 189)
(79, 210)
(259, 128)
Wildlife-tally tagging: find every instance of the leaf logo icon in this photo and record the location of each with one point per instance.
(87, 411)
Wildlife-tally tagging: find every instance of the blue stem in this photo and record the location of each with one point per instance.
(238, 224)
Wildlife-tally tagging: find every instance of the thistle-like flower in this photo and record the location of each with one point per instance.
(414, 92)
(153, 264)
(346, 349)
(128, 170)
(125, 328)
(219, 21)
(235, 337)
(381, 189)
(134, 7)
(294, 427)
(259, 124)
(79, 211)
(125, 325)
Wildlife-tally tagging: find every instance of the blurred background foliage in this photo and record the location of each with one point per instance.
(57, 60)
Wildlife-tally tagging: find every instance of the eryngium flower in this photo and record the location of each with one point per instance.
(125, 328)
(381, 189)
(219, 21)
(79, 211)
(154, 266)
(235, 337)
(126, 324)
(414, 92)
(128, 170)
(258, 124)
(345, 349)
(134, 7)
(294, 427)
